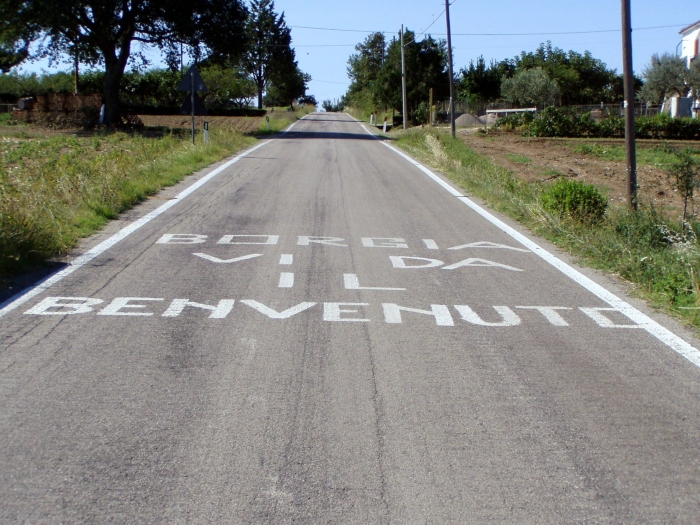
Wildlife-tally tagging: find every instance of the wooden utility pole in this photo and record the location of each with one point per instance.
(192, 95)
(452, 78)
(630, 147)
(403, 81)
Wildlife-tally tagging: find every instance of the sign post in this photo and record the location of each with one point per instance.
(193, 82)
(192, 95)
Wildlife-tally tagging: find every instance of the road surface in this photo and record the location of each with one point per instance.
(320, 331)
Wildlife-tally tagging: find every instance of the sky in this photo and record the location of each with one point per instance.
(324, 54)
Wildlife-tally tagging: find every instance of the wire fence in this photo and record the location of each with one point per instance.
(6, 108)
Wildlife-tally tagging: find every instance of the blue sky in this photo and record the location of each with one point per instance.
(324, 54)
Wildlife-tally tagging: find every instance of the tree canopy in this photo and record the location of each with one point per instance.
(530, 87)
(268, 52)
(235, 45)
(669, 75)
(104, 31)
(375, 71)
(580, 78)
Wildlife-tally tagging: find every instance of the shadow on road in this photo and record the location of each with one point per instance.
(14, 286)
(328, 135)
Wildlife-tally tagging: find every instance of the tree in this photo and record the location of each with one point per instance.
(364, 66)
(666, 75)
(103, 31)
(479, 84)
(426, 67)
(530, 87)
(15, 35)
(285, 88)
(581, 78)
(268, 52)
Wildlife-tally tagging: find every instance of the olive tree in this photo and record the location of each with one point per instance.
(530, 87)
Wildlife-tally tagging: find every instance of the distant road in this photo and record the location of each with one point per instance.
(323, 332)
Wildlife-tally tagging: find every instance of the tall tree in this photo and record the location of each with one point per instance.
(103, 31)
(268, 49)
(426, 67)
(479, 83)
(364, 66)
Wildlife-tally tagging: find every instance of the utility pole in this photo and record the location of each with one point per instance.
(452, 78)
(629, 104)
(403, 81)
(192, 95)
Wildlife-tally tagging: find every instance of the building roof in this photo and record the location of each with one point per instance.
(691, 26)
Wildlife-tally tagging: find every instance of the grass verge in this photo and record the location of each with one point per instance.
(56, 189)
(660, 256)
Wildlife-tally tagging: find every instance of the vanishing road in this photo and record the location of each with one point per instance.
(321, 331)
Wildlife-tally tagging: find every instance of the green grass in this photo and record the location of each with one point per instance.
(518, 159)
(6, 119)
(660, 156)
(552, 173)
(661, 256)
(55, 190)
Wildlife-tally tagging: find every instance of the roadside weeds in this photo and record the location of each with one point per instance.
(58, 188)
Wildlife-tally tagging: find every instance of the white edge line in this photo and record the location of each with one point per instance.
(25, 295)
(663, 334)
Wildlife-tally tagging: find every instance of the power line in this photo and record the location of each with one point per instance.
(494, 34)
(431, 24)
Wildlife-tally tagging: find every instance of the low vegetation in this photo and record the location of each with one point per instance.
(56, 189)
(660, 255)
(565, 122)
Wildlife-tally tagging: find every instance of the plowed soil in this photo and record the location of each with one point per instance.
(551, 158)
(242, 124)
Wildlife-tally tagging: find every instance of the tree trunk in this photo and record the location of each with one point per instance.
(113, 79)
(114, 71)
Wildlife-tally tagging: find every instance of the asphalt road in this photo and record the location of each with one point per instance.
(323, 333)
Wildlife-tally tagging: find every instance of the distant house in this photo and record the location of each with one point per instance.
(690, 46)
(690, 49)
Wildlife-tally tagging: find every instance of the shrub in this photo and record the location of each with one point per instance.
(553, 122)
(422, 114)
(564, 122)
(685, 174)
(511, 122)
(582, 202)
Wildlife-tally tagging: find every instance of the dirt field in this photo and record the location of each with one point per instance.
(242, 124)
(539, 159)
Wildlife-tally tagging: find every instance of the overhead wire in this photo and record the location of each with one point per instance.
(494, 34)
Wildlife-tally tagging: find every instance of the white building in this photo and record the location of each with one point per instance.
(691, 42)
(690, 49)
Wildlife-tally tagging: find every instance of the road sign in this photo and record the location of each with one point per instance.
(192, 77)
